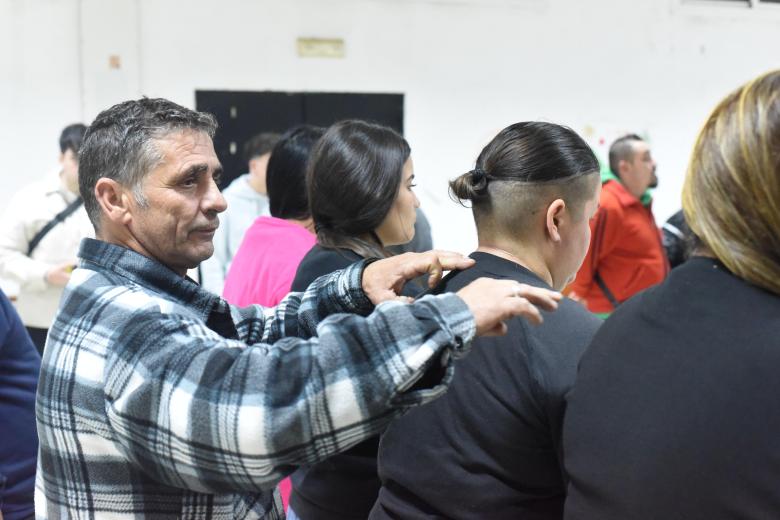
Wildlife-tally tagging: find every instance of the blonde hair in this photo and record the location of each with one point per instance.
(731, 196)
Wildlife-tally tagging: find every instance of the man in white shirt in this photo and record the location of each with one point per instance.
(247, 199)
(40, 232)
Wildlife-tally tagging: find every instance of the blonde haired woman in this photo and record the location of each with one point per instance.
(676, 408)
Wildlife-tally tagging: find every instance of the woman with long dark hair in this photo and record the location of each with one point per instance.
(360, 182)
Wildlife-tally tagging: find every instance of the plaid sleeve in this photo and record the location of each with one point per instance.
(298, 314)
(214, 415)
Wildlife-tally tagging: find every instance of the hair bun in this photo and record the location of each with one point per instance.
(470, 185)
(479, 179)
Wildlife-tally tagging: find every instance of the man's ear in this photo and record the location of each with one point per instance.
(624, 167)
(555, 213)
(254, 164)
(114, 200)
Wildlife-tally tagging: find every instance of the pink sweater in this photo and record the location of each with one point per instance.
(264, 265)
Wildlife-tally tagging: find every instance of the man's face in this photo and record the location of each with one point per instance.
(70, 170)
(638, 173)
(576, 238)
(177, 224)
(258, 168)
(398, 225)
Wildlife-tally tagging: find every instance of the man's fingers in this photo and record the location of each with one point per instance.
(526, 309)
(544, 298)
(434, 269)
(441, 261)
(499, 330)
(450, 260)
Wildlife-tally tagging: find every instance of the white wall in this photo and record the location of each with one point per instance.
(467, 68)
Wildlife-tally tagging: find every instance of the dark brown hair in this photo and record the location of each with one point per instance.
(523, 161)
(353, 180)
(286, 173)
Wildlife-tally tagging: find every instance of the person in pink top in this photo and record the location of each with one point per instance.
(264, 265)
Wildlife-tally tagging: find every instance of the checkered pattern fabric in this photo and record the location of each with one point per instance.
(160, 400)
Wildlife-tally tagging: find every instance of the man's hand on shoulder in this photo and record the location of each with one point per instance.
(492, 302)
(384, 279)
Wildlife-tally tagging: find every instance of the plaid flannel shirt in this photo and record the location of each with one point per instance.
(160, 400)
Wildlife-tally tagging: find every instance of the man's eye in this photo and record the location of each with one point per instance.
(189, 182)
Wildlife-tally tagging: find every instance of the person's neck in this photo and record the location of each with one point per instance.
(256, 184)
(74, 189)
(519, 254)
(129, 242)
(307, 223)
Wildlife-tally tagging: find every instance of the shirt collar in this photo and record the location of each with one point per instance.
(153, 275)
(607, 175)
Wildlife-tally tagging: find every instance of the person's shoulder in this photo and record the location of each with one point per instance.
(33, 195)
(578, 316)
(328, 259)
(236, 189)
(241, 190)
(112, 293)
(613, 197)
(320, 261)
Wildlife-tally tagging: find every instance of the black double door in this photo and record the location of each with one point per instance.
(242, 115)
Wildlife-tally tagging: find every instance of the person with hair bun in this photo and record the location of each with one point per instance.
(360, 182)
(676, 411)
(490, 447)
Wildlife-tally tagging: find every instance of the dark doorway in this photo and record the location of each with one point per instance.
(243, 114)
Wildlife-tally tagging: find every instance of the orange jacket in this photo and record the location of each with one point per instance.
(625, 249)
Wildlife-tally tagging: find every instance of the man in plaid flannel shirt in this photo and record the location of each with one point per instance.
(157, 399)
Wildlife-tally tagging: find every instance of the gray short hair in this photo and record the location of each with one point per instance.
(121, 144)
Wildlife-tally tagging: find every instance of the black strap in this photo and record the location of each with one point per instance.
(59, 217)
(603, 286)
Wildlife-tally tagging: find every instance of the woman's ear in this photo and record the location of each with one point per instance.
(555, 213)
(113, 200)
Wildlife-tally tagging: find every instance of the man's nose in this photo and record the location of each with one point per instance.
(214, 200)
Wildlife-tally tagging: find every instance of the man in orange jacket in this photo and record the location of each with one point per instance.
(626, 254)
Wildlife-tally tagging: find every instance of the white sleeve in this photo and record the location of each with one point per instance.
(15, 234)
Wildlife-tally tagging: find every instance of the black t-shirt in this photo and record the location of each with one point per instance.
(676, 410)
(345, 486)
(489, 448)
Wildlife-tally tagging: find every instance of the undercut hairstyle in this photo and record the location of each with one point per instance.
(353, 180)
(522, 170)
(286, 173)
(622, 150)
(731, 195)
(122, 144)
(71, 137)
(260, 145)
